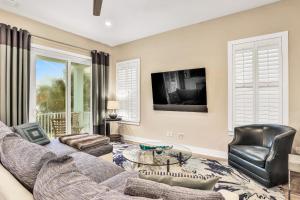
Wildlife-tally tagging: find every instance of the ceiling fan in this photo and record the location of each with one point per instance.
(97, 7)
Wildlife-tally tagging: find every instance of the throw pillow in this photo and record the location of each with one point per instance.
(33, 133)
(151, 189)
(59, 179)
(23, 159)
(181, 179)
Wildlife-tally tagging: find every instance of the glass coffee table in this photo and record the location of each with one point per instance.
(176, 155)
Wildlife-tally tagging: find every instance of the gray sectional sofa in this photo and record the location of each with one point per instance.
(96, 169)
(58, 172)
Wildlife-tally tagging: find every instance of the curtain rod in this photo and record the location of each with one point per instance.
(66, 44)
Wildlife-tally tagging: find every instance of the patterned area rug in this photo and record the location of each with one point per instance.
(231, 179)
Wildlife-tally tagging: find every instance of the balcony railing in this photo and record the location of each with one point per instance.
(44, 119)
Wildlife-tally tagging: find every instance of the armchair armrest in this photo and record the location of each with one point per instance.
(280, 149)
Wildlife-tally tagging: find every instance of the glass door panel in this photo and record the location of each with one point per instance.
(51, 76)
(80, 98)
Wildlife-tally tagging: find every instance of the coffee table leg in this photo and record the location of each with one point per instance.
(180, 159)
(168, 166)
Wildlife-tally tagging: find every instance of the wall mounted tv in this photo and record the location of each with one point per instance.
(183, 90)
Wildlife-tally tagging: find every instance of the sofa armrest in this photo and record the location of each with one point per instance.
(10, 188)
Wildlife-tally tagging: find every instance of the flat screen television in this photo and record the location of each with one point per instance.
(183, 90)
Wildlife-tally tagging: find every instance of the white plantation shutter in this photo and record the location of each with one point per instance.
(244, 85)
(269, 82)
(258, 80)
(128, 90)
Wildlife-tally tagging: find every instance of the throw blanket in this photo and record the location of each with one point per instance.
(84, 141)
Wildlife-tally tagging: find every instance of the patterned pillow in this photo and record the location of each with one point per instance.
(23, 159)
(59, 179)
(181, 180)
(33, 133)
(150, 189)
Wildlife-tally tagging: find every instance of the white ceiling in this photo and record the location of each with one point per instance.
(131, 19)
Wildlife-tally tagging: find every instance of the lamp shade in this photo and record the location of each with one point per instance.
(113, 105)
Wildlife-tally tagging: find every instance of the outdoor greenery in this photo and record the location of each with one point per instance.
(52, 98)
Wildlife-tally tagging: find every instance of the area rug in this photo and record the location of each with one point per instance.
(231, 179)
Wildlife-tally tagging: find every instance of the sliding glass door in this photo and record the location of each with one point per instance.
(61, 92)
(51, 93)
(81, 97)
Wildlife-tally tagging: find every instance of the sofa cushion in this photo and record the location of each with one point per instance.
(256, 155)
(4, 130)
(59, 179)
(33, 133)
(118, 182)
(95, 168)
(59, 148)
(151, 189)
(23, 159)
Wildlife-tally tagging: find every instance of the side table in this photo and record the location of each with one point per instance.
(113, 137)
(294, 177)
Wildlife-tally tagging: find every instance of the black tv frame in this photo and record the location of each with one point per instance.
(180, 107)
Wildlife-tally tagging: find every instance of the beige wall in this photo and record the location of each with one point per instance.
(40, 29)
(205, 45)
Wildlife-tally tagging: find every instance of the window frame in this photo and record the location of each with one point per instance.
(70, 57)
(285, 73)
(138, 61)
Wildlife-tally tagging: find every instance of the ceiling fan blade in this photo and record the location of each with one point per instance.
(97, 7)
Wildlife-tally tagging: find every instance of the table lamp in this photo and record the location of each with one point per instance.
(113, 106)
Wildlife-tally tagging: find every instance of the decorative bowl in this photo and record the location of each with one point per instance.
(158, 148)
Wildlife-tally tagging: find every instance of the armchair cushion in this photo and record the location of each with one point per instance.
(256, 155)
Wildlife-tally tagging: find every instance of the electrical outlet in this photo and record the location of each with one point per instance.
(180, 136)
(169, 134)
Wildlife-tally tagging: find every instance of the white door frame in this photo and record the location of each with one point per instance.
(69, 57)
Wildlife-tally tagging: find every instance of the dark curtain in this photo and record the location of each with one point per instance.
(100, 68)
(14, 75)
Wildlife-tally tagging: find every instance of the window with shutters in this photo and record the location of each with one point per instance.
(258, 80)
(128, 90)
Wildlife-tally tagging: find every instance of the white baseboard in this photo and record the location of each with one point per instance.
(194, 149)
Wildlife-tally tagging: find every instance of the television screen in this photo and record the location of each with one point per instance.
(183, 90)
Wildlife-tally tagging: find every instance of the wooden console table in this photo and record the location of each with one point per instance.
(294, 177)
